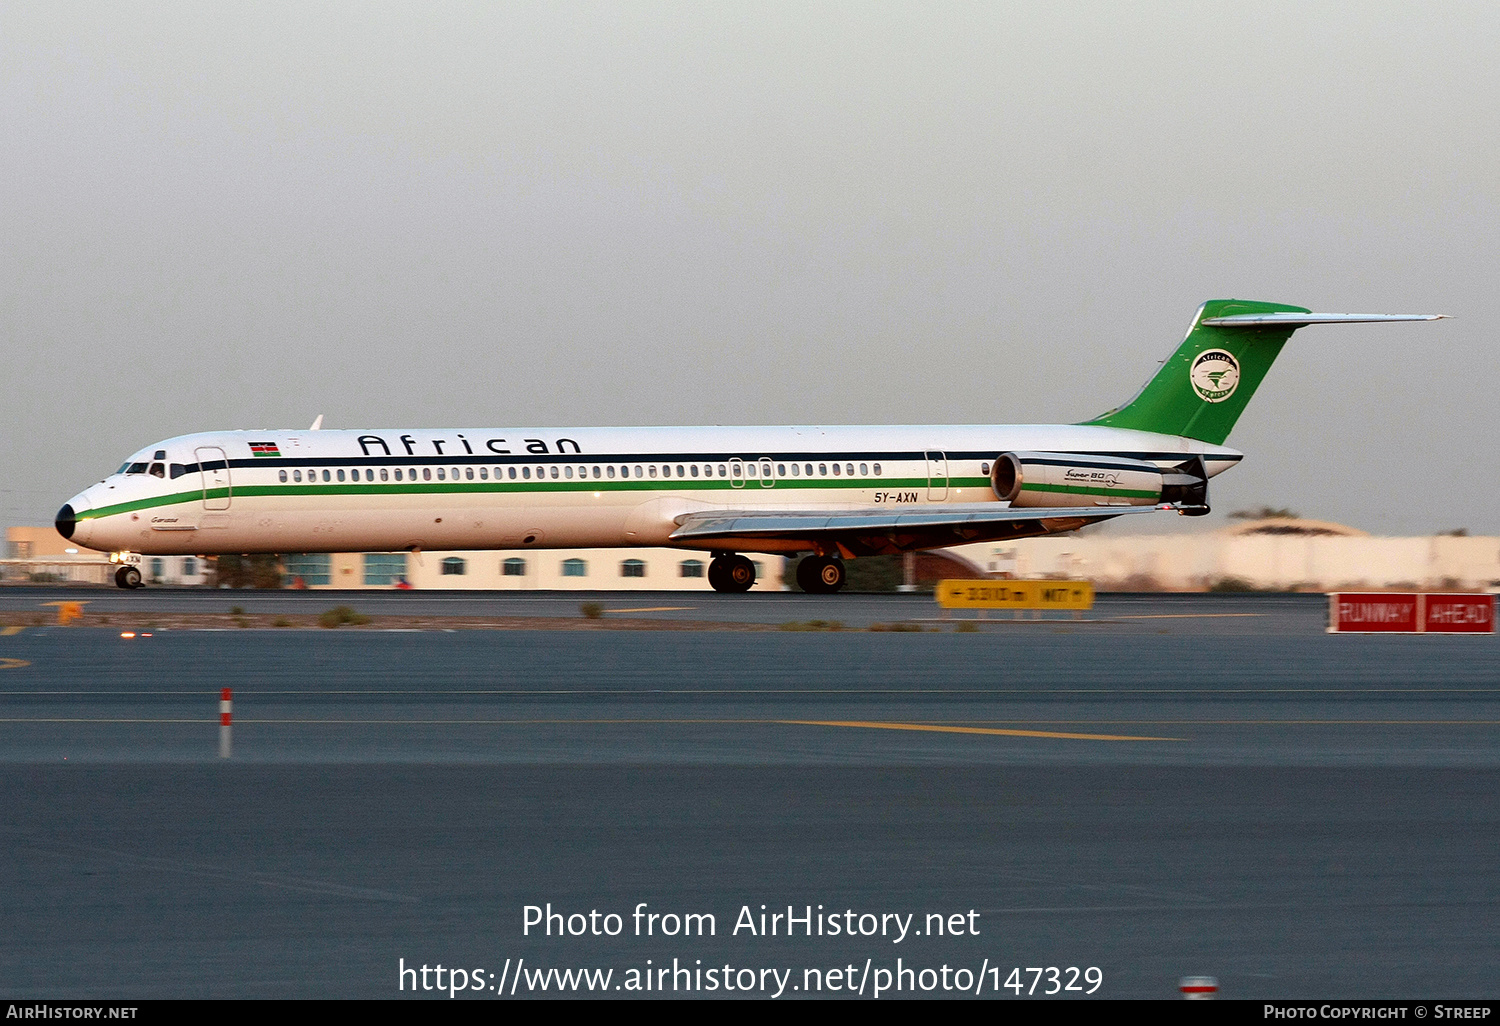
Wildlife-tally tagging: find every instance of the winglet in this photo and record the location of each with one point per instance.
(317, 425)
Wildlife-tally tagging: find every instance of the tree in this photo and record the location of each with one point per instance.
(1265, 513)
(257, 571)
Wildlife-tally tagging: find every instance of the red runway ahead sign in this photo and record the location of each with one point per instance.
(1458, 614)
(1385, 612)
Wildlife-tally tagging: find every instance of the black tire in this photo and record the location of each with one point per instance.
(820, 575)
(718, 576)
(740, 573)
(129, 577)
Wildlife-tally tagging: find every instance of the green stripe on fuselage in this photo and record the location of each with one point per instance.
(751, 487)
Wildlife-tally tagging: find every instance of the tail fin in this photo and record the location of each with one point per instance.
(1203, 387)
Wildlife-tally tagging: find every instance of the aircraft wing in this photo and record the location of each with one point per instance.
(875, 530)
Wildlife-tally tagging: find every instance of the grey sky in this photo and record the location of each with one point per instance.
(219, 216)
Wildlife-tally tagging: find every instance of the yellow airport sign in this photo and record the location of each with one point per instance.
(1015, 594)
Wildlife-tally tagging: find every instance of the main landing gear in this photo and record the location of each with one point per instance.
(820, 575)
(731, 573)
(129, 577)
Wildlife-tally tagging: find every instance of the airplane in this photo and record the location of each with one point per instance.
(835, 492)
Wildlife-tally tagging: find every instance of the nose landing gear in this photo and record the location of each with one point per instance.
(820, 575)
(731, 573)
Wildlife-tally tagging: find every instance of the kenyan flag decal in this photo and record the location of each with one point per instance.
(259, 449)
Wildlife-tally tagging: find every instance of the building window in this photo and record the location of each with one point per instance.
(515, 566)
(454, 567)
(384, 569)
(691, 568)
(189, 566)
(633, 568)
(575, 568)
(158, 568)
(310, 568)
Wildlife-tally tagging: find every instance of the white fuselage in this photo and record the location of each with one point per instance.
(389, 490)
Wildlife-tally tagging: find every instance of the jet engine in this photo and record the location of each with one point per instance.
(1057, 479)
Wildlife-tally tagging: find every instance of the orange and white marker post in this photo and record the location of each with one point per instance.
(226, 711)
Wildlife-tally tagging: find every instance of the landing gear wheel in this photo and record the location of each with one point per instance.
(820, 575)
(731, 574)
(128, 577)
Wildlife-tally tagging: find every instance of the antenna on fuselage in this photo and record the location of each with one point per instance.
(317, 425)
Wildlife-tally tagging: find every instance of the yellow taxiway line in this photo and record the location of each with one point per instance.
(939, 729)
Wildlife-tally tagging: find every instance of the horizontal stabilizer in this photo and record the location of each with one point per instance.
(1297, 320)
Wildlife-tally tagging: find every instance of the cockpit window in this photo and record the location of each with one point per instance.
(161, 454)
(157, 470)
(177, 470)
(137, 468)
(123, 467)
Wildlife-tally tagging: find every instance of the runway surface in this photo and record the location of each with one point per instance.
(1271, 613)
(1195, 785)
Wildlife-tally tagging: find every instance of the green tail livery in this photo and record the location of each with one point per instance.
(1203, 387)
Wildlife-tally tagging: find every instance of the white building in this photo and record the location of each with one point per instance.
(1306, 555)
(522, 570)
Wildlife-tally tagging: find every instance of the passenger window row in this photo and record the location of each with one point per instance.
(596, 472)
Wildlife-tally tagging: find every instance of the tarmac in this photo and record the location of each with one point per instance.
(1172, 786)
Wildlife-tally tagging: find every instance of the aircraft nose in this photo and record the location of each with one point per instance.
(67, 520)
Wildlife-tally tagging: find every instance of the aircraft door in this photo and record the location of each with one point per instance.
(937, 475)
(213, 467)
